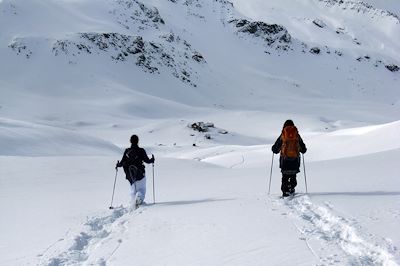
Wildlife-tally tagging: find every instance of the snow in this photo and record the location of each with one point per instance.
(67, 113)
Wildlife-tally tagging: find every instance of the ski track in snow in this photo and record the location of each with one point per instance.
(321, 224)
(97, 231)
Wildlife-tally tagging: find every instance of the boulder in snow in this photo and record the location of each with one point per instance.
(201, 126)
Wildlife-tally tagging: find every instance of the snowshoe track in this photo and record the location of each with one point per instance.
(95, 232)
(321, 224)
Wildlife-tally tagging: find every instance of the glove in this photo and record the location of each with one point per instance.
(304, 151)
(152, 158)
(118, 165)
(274, 150)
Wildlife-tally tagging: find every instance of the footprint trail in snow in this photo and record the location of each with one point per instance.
(76, 249)
(333, 239)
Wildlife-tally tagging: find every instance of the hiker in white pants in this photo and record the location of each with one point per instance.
(132, 162)
(138, 191)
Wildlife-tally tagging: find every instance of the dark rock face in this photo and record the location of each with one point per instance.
(225, 2)
(132, 14)
(168, 52)
(119, 46)
(171, 52)
(392, 67)
(272, 34)
(20, 47)
(363, 58)
(319, 23)
(356, 41)
(151, 13)
(198, 57)
(163, 53)
(339, 53)
(315, 50)
(197, 2)
(340, 30)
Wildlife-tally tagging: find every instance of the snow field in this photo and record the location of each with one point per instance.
(220, 211)
(65, 119)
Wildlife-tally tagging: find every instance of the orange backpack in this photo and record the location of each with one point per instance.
(290, 142)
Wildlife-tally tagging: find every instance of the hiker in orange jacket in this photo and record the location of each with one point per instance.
(289, 144)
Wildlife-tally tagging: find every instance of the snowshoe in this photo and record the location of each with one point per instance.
(138, 202)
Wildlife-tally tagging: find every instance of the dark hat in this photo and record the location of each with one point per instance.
(288, 123)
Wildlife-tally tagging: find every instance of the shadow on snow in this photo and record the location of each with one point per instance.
(188, 202)
(361, 193)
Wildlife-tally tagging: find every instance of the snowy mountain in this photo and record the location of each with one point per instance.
(79, 77)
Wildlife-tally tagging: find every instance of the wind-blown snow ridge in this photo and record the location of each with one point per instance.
(325, 225)
(361, 7)
(20, 138)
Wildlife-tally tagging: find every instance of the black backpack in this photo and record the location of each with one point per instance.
(132, 166)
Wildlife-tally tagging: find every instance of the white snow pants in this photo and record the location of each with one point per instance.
(138, 188)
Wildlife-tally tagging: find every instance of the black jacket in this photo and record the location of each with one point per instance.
(289, 166)
(134, 156)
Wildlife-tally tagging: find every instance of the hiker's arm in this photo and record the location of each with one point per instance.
(303, 147)
(121, 163)
(277, 146)
(146, 158)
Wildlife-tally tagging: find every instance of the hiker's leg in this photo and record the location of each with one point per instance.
(133, 192)
(285, 183)
(292, 183)
(141, 188)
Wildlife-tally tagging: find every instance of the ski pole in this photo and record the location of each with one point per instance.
(305, 176)
(115, 180)
(270, 174)
(154, 193)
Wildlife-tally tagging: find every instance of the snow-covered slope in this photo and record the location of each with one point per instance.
(67, 63)
(77, 78)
